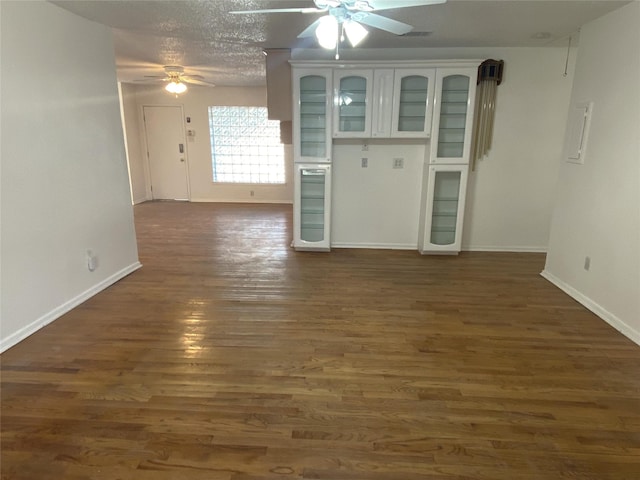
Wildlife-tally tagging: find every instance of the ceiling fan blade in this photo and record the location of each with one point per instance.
(192, 77)
(196, 81)
(279, 10)
(389, 4)
(151, 79)
(310, 30)
(383, 23)
(155, 76)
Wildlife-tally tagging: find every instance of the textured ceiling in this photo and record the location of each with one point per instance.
(227, 49)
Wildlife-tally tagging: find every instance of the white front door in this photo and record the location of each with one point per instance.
(167, 153)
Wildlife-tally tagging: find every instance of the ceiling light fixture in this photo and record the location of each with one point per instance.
(331, 30)
(327, 32)
(355, 32)
(176, 86)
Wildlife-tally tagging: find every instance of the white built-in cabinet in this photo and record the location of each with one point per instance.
(383, 103)
(312, 110)
(413, 93)
(453, 115)
(390, 100)
(312, 207)
(352, 103)
(443, 210)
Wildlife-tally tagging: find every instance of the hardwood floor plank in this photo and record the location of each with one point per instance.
(230, 356)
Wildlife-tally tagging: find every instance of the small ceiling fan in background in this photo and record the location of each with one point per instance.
(176, 79)
(346, 17)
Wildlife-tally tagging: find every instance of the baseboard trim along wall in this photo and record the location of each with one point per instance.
(236, 200)
(57, 312)
(604, 314)
(508, 249)
(382, 246)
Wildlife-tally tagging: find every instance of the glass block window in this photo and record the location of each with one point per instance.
(245, 146)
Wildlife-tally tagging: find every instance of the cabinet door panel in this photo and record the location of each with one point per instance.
(412, 103)
(312, 204)
(445, 199)
(382, 108)
(352, 103)
(312, 115)
(453, 116)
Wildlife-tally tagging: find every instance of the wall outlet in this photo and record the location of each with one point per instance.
(365, 147)
(398, 162)
(365, 162)
(252, 193)
(587, 263)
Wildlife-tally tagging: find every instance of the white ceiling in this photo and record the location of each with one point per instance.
(227, 49)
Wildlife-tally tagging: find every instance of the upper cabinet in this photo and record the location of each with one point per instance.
(386, 100)
(453, 115)
(383, 103)
(312, 89)
(412, 102)
(352, 103)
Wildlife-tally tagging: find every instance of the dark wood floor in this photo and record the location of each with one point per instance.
(230, 356)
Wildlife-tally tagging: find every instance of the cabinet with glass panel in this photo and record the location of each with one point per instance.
(352, 103)
(443, 211)
(312, 207)
(312, 115)
(453, 115)
(413, 102)
(383, 103)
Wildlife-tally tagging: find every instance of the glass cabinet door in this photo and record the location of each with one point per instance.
(352, 109)
(453, 115)
(313, 116)
(453, 135)
(413, 103)
(312, 204)
(444, 210)
(446, 196)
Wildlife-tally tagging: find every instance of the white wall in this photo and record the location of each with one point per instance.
(377, 206)
(511, 192)
(64, 178)
(510, 195)
(195, 104)
(597, 209)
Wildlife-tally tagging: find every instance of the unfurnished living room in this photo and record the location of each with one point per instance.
(320, 239)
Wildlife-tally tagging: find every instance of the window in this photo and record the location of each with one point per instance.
(245, 146)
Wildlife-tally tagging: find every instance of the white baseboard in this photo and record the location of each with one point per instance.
(383, 246)
(512, 249)
(57, 312)
(236, 200)
(600, 311)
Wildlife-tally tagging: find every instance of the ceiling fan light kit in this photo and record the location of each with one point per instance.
(327, 32)
(347, 16)
(176, 87)
(355, 32)
(176, 79)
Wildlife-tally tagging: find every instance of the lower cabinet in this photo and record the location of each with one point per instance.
(312, 207)
(443, 209)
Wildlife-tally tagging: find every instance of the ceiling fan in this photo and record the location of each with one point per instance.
(176, 79)
(347, 17)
